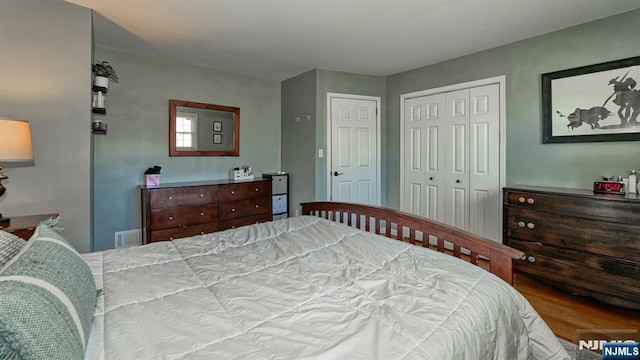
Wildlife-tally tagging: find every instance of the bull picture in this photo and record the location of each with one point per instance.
(625, 96)
(591, 117)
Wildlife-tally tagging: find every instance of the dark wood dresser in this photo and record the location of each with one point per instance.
(580, 242)
(175, 210)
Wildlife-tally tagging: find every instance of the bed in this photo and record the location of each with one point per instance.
(307, 287)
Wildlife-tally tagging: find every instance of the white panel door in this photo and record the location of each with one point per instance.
(354, 151)
(424, 178)
(484, 161)
(456, 155)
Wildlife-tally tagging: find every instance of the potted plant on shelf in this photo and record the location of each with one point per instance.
(103, 74)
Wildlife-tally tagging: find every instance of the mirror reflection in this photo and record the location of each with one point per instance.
(199, 129)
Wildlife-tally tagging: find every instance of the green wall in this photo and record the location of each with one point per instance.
(528, 161)
(45, 78)
(298, 151)
(138, 118)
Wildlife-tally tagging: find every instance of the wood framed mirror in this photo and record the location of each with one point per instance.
(199, 129)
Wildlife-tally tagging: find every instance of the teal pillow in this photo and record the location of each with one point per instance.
(10, 245)
(47, 301)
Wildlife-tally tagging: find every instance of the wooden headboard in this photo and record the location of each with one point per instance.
(416, 230)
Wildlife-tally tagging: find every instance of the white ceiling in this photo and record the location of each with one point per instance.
(278, 39)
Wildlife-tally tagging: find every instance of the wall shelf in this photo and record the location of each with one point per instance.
(98, 126)
(99, 89)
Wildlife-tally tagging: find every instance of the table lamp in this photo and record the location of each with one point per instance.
(15, 146)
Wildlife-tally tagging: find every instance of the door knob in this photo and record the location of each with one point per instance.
(335, 173)
(458, 181)
(431, 178)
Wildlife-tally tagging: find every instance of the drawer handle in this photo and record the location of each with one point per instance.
(530, 201)
(201, 195)
(521, 224)
(233, 210)
(170, 198)
(201, 214)
(171, 238)
(531, 259)
(170, 217)
(531, 225)
(201, 232)
(257, 206)
(233, 227)
(521, 199)
(257, 189)
(233, 193)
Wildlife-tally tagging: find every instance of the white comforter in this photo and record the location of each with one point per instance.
(306, 288)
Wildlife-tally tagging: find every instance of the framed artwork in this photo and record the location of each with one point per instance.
(592, 103)
(217, 126)
(217, 138)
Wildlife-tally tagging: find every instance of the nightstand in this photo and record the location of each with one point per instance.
(24, 226)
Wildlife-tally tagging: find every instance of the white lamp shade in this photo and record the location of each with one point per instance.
(15, 141)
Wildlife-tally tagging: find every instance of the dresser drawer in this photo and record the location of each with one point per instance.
(177, 233)
(601, 207)
(604, 278)
(237, 209)
(180, 217)
(248, 220)
(279, 184)
(250, 190)
(180, 197)
(588, 235)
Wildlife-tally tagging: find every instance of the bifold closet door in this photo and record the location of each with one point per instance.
(455, 156)
(451, 158)
(484, 162)
(424, 178)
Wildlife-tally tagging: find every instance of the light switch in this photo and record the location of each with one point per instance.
(320, 153)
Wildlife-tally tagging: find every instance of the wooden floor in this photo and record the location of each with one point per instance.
(566, 313)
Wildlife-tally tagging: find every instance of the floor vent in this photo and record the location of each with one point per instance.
(128, 238)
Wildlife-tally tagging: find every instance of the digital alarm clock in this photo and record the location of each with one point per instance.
(608, 187)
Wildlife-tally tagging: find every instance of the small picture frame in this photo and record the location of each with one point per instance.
(217, 138)
(217, 126)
